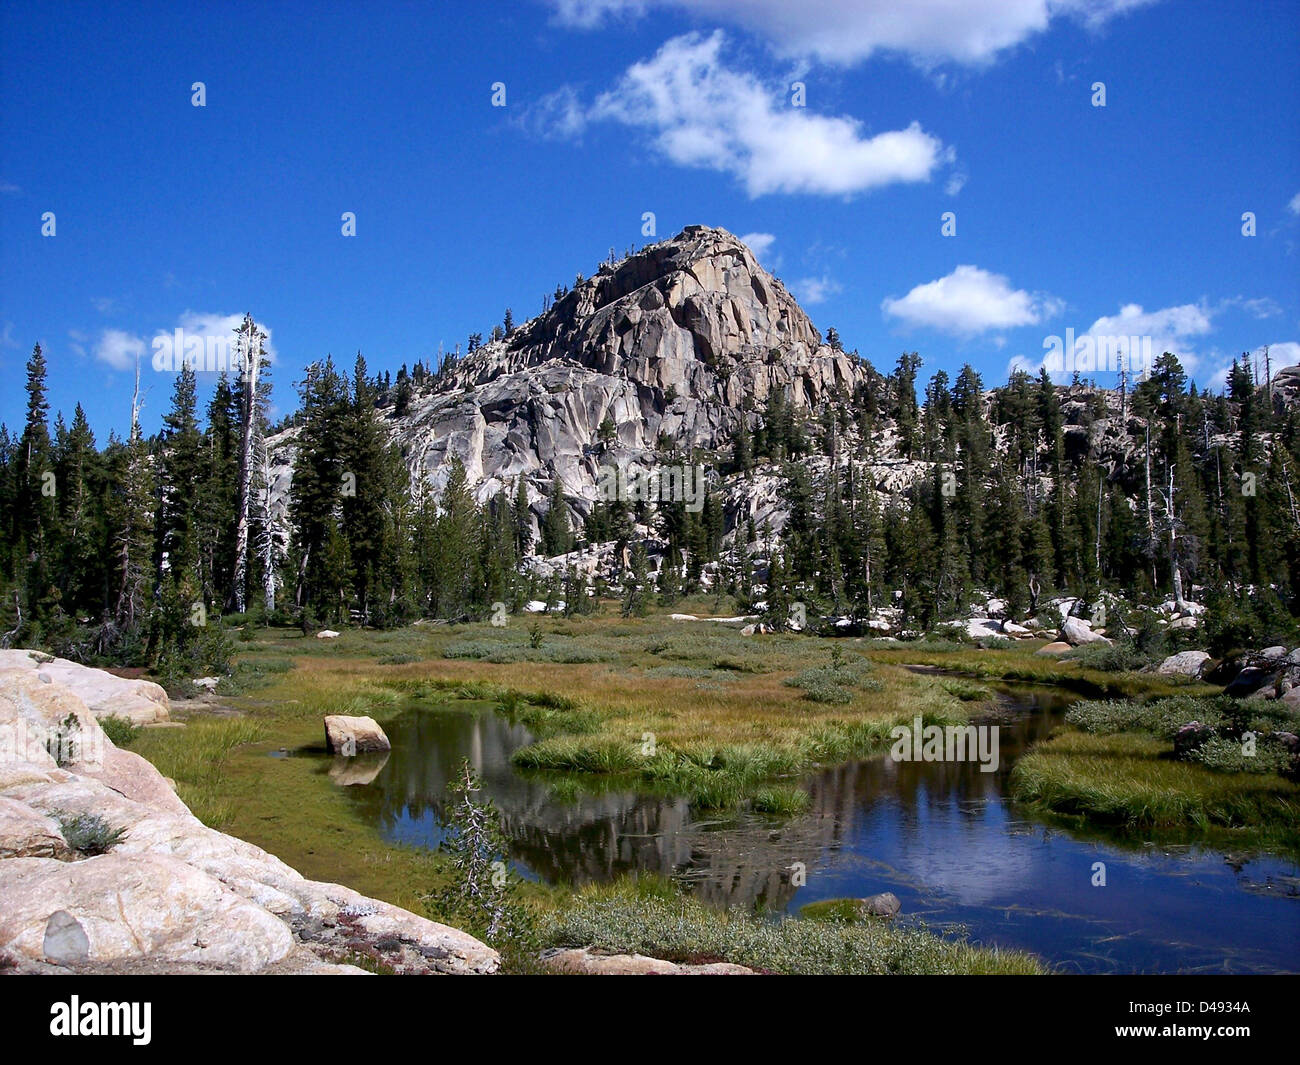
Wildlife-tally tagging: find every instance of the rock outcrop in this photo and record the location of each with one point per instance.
(168, 894)
(142, 702)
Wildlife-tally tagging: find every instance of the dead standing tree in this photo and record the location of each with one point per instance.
(249, 351)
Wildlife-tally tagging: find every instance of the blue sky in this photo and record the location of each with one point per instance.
(1122, 219)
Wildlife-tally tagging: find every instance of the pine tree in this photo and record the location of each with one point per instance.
(557, 538)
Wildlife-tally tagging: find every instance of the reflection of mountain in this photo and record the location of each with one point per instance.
(939, 835)
(745, 860)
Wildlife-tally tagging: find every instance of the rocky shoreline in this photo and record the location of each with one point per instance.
(104, 869)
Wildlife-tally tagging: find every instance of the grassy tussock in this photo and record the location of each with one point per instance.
(1128, 780)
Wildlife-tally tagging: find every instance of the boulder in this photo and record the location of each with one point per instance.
(1273, 654)
(135, 777)
(327, 634)
(1184, 623)
(1184, 664)
(354, 735)
(171, 895)
(1054, 649)
(1077, 632)
(1018, 632)
(1249, 681)
(28, 833)
(885, 904)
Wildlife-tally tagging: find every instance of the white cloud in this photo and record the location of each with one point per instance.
(588, 14)
(701, 113)
(844, 32)
(759, 243)
(558, 114)
(956, 182)
(1260, 307)
(1169, 329)
(1294, 205)
(813, 290)
(1280, 355)
(970, 301)
(119, 349)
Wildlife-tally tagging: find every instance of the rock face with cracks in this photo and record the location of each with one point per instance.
(168, 894)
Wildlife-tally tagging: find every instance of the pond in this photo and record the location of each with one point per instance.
(944, 837)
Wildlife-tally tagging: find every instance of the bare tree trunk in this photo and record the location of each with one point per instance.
(1101, 484)
(1151, 521)
(1179, 601)
(250, 354)
(268, 538)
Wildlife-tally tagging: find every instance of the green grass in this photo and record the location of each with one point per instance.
(196, 758)
(742, 742)
(1021, 664)
(650, 917)
(1128, 781)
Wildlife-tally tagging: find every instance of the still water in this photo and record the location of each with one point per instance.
(943, 837)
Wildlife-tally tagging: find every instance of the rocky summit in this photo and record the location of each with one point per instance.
(677, 342)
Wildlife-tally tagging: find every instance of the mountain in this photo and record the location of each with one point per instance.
(678, 341)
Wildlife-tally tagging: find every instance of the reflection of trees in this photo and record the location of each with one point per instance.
(743, 860)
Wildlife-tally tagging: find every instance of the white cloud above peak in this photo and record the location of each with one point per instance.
(699, 112)
(759, 243)
(970, 301)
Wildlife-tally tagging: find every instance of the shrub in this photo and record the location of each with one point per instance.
(1225, 755)
(1161, 717)
(480, 897)
(652, 920)
(119, 730)
(1118, 657)
(89, 834)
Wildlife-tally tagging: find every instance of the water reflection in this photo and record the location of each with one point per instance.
(941, 836)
